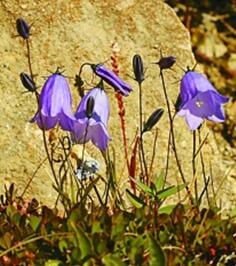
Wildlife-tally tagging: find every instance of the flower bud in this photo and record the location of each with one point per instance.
(153, 119)
(23, 28)
(178, 103)
(89, 107)
(27, 82)
(166, 62)
(138, 68)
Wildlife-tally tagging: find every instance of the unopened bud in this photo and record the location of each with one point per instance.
(166, 62)
(23, 28)
(138, 68)
(153, 119)
(27, 82)
(89, 107)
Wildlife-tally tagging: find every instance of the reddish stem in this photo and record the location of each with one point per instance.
(120, 102)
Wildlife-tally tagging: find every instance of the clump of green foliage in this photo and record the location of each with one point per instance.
(91, 234)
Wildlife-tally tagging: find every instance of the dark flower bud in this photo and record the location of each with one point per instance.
(23, 28)
(27, 82)
(166, 62)
(178, 103)
(138, 68)
(89, 107)
(153, 119)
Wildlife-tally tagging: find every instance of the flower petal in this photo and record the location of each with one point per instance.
(44, 122)
(100, 136)
(193, 121)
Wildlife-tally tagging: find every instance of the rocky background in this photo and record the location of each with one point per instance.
(69, 33)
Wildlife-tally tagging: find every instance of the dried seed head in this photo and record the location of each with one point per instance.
(138, 68)
(166, 62)
(153, 119)
(27, 82)
(89, 107)
(23, 28)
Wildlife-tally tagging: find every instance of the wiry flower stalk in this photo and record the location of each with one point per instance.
(23, 30)
(173, 137)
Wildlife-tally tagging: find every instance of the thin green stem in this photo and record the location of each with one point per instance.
(37, 99)
(143, 160)
(173, 138)
(194, 167)
(206, 182)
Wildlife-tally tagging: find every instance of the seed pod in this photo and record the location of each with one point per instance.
(166, 62)
(27, 82)
(138, 68)
(90, 107)
(23, 28)
(153, 119)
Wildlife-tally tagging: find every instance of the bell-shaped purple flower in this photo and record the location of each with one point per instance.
(92, 117)
(200, 100)
(55, 104)
(112, 79)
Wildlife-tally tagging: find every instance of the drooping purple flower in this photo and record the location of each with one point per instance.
(112, 79)
(200, 100)
(92, 115)
(55, 104)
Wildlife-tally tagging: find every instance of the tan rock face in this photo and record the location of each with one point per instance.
(69, 33)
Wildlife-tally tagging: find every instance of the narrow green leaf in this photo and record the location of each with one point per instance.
(137, 202)
(159, 182)
(53, 263)
(112, 260)
(157, 255)
(166, 209)
(143, 187)
(167, 192)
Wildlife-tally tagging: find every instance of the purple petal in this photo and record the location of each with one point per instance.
(193, 121)
(112, 79)
(201, 105)
(66, 121)
(44, 122)
(93, 128)
(100, 136)
(101, 108)
(193, 83)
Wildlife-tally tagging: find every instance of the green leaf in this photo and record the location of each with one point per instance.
(53, 263)
(62, 245)
(82, 240)
(112, 260)
(167, 192)
(159, 182)
(166, 209)
(34, 222)
(5, 240)
(143, 187)
(157, 255)
(137, 202)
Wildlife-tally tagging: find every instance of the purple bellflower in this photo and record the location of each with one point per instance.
(200, 100)
(92, 117)
(112, 79)
(55, 104)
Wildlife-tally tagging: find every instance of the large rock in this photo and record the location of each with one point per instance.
(69, 33)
